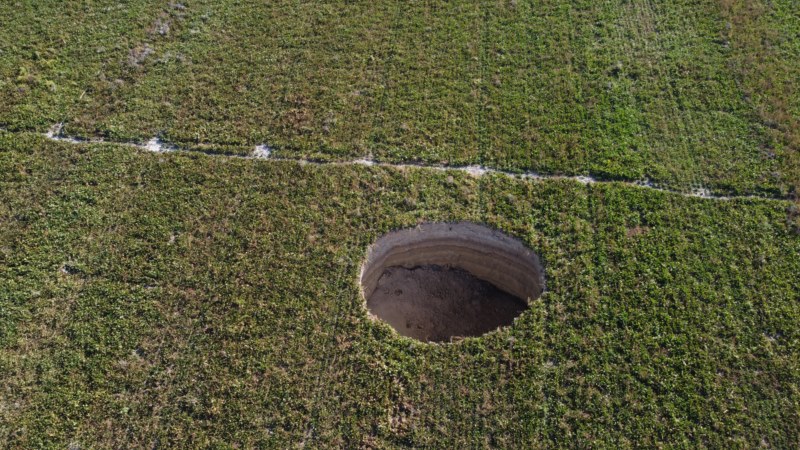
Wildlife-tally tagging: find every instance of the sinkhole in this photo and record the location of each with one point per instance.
(439, 282)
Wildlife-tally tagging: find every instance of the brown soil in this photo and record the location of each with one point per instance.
(436, 303)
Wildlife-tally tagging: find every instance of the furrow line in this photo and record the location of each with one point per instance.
(264, 153)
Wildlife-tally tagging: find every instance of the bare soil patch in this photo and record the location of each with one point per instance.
(436, 303)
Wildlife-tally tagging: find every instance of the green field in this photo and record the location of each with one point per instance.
(622, 90)
(196, 299)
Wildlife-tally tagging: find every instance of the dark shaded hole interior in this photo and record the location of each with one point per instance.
(433, 303)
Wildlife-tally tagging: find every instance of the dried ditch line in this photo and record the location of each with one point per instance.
(264, 152)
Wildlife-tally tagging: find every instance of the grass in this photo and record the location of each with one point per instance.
(767, 47)
(187, 300)
(190, 300)
(620, 90)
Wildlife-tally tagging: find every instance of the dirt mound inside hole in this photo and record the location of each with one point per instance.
(434, 303)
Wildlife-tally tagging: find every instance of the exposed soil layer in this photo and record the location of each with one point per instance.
(484, 252)
(435, 303)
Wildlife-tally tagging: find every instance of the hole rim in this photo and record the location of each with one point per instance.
(539, 275)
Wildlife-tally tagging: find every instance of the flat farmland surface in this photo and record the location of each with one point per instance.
(204, 298)
(622, 90)
(233, 315)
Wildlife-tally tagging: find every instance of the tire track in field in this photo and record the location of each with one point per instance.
(649, 45)
(319, 401)
(650, 17)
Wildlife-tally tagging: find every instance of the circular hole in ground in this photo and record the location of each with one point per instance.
(442, 281)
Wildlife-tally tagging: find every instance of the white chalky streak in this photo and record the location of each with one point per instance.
(157, 146)
(264, 152)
